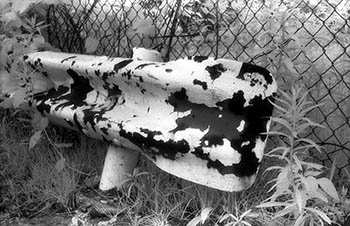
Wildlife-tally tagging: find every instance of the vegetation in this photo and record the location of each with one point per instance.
(300, 187)
(45, 169)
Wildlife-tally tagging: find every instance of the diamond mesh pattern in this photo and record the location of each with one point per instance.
(305, 41)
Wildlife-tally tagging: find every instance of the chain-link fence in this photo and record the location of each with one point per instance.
(305, 41)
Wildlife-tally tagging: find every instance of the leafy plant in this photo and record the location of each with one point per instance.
(201, 218)
(22, 34)
(300, 189)
(238, 220)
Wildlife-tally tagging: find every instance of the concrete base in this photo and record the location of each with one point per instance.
(118, 163)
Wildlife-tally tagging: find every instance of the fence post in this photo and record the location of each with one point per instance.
(172, 30)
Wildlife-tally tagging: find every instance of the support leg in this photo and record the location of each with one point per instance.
(119, 161)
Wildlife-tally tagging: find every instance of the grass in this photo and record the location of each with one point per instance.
(32, 179)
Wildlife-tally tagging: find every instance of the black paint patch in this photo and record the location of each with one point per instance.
(141, 66)
(127, 74)
(142, 90)
(94, 116)
(113, 91)
(52, 95)
(98, 72)
(250, 68)
(105, 131)
(199, 59)
(122, 64)
(105, 75)
(215, 71)
(181, 95)
(140, 78)
(235, 104)
(258, 113)
(177, 98)
(78, 92)
(201, 83)
(143, 130)
(68, 58)
(77, 123)
(168, 70)
(43, 108)
(167, 149)
(37, 63)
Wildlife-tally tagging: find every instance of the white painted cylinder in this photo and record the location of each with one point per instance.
(118, 163)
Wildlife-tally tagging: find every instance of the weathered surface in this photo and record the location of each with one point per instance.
(198, 118)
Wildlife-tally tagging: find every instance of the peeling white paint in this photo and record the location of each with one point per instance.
(192, 135)
(193, 169)
(224, 153)
(240, 128)
(245, 143)
(259, 148)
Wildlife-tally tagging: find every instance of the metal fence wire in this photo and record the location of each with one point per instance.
(306, 41)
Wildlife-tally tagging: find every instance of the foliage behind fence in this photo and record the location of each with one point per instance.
(298, 41)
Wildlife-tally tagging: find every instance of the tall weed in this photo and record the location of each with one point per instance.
(301, 190)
